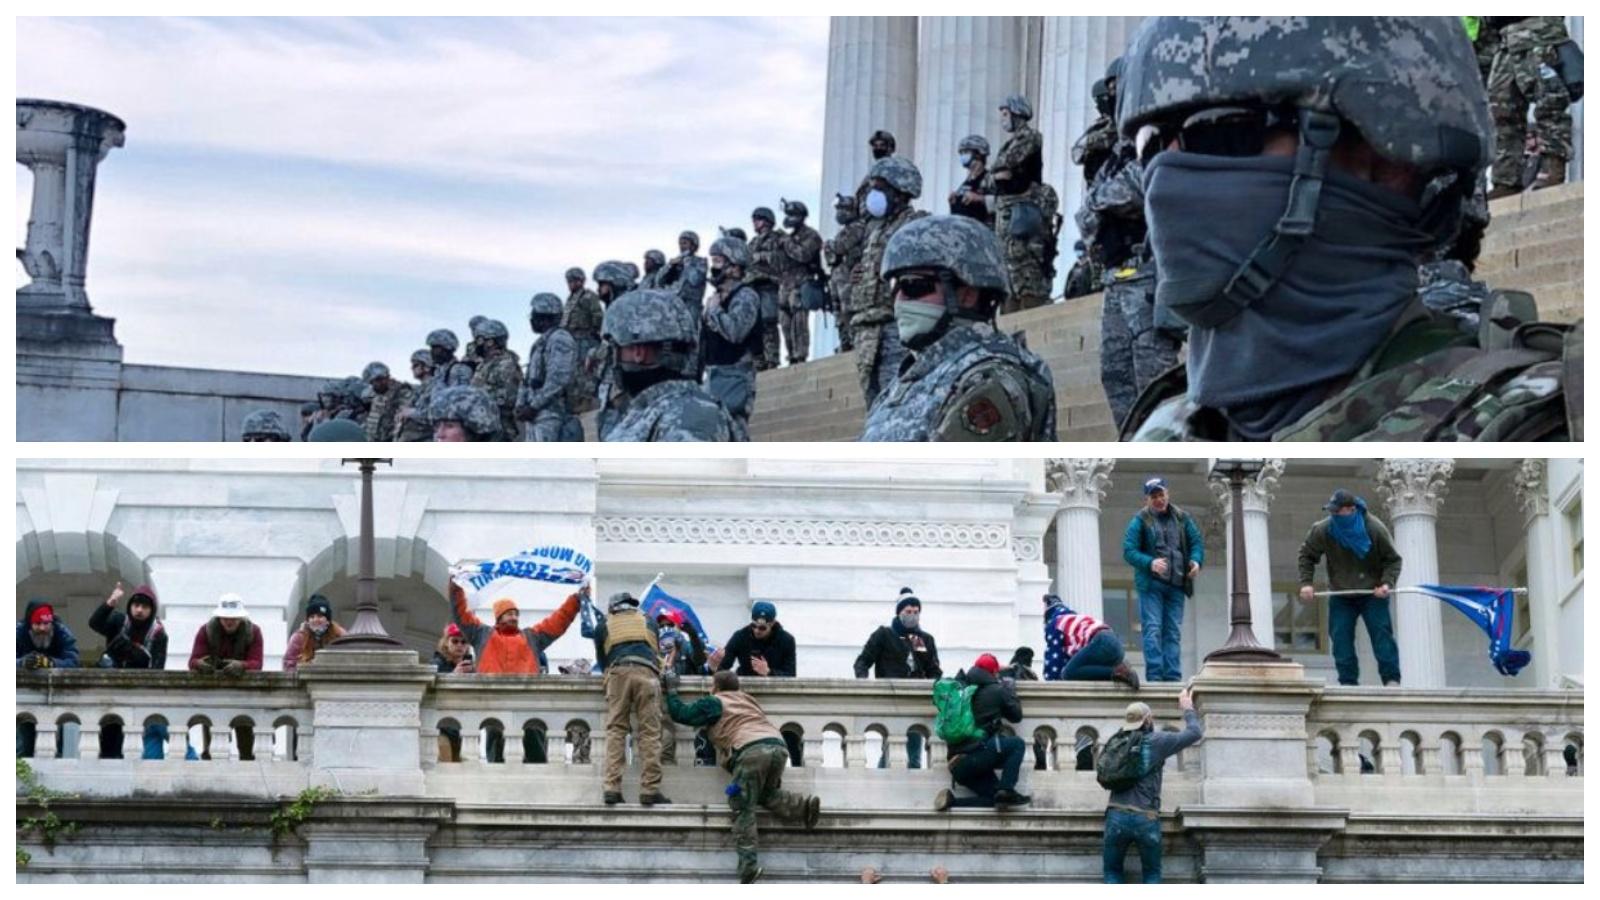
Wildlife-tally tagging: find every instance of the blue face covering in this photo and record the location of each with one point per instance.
(1351, 531)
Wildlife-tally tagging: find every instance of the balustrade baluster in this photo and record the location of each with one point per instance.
(897, 751)
(855, 751)
(44, 744)
(1555, 764)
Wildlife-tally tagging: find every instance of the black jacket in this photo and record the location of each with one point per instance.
(130, 647)
(888, 653)
(777, 649)
(991, 703)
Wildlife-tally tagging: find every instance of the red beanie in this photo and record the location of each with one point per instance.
(988, 663)
(42, 615)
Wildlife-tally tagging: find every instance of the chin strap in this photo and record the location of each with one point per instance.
(1273, 256)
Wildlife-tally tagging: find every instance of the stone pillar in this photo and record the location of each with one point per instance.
(367, 723)
(1082, 485)
(1413, 490)
(966, 65)
(1076, 51)
(1257, 501)
(872, 85)
(364, 840)
(1531, 482)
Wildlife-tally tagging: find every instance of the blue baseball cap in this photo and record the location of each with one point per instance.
(764, 610)
(1154, 484)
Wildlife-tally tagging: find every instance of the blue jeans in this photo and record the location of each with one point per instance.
(1124, 828)
(1095, 660)
(155, 741)
(1342, 615)
(975, 769)
(1161, 619)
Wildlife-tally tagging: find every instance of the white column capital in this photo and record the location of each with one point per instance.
(1532, 485)
(1082, 482)
(1258, 491)
(1414, 487)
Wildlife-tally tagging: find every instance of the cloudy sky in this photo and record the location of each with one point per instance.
(306, 196)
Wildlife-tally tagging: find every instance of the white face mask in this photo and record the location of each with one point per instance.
(966, 160)
(877, 204)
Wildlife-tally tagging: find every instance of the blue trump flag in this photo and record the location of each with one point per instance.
(1492, 609)
(656, 601)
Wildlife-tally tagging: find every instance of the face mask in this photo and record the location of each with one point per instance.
(880, 152)
(1006, 124)
(877, 204)
(909, 620)
(843, 218)
(1265, 366)
(440, 355)
(920, 324)
(541, 324)
(318, 630)
(792, 222)
(636, 381)
(966, 160)
(717, 273)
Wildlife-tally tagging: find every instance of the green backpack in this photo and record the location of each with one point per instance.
(1125, 760)
(952, 721)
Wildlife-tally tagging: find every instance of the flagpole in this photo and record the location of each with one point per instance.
(1398, 590)
(653, 582)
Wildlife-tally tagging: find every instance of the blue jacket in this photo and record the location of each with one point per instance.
(63, 649)
(1139, 546)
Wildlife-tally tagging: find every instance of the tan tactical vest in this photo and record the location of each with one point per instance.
(627, 627)
(742, 722)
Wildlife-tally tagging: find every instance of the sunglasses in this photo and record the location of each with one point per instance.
(915, 287)
(1222, 131)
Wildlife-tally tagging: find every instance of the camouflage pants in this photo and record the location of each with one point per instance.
(841, 315)
(1024, 260)
(769, 326)
(1515, 82)
(878, 355)
(551, 425)
(796, 325)
(588, 382)
(632, 692)
(759, 775)
(734, 387)
(1132, 350)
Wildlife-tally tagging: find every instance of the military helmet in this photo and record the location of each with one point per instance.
(422, 357)
(845, 201)
(336, 431)
(649, 316)
(575, 272)
(265, 423)
(975, 143)
(468, 405)
(900, 173)
(691, 237)
(761, 212)
(1114, 69)
(544, 304)
(614, 273)
(633, 269)
(960, 244)
(1019, 106)
(474, 322)
(655, 256)
(881, 135)
(443, 337)
(735, 232)
(735, 251)
(795, 208)
(490, 329)
(333, 387)
(374, 370)
(1408, 84)
(353, 388)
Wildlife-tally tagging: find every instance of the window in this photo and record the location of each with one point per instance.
(1298, 627)
(1574, 517)
(1121, 606)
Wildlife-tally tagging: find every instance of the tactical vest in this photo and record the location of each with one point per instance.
(629, 627)
(719, 351)
(742, 722)
(899, 415)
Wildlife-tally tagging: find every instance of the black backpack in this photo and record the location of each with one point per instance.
(1125, 760)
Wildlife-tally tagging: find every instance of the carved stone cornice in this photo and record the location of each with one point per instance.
(802, 532)
(1414, 487)
(1531, 481)
(1258, 491)
(1081, 482)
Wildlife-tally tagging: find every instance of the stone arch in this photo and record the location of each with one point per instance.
(1533, 753)
(1370, 752)
(75, 570)
(1085, 748)
(413, 589)
(1326, 752)
(1450, 759)
(833, 745)
(1493, 748)
(1411, 754)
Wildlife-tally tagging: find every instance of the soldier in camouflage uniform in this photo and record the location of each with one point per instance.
(463, 413)
(801, 247)
(543, 402)
(1024, 207)
(264, 426)
(611, 279)
(385, 398)
(1525, 71)
(882, 146)
(447, 370)
(340, 398)
(895, 183)
(1297, 170)
(655, 266)
(656, 359)
(964, 381)
(1484, 31)
(843, 251)
(499, 374)
(412, 420)
(582, 318)
(730, 337)
(969, 199)
(469, 353)
(1085, 277)
(686, 274)
(767, 265)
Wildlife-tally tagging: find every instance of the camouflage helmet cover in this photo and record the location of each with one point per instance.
(490, 329)
(795, 208)
(735, 251)
(650, 316)
(1409, 84)
(468, 405)
(960, 244)
(374, 370)
(265, 422)
(633, 269)
(655, 256)
(614, 273)
(735, 232)
(575, 273)
(475, 321)
(443, 337)
(544, 304)
(422, 357)
(762, 212)
(353, 388)
(975, 143)
(884, 136)
(691, 237)
(901, 174)
(1018, 106)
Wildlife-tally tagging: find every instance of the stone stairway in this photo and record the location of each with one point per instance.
(1535, 244)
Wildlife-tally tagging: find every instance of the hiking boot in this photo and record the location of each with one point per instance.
(942, 800)
(1008, 797)
(657, 799)
(1552, 171)
(751, 876)
(813, 812)
(1124, 673)
(612, 798)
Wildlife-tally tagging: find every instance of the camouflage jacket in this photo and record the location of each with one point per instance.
(843, 252)
(973, 384)
(870, 302)
(767, 261)
(414, 426)
(501, 378)
(652, 280)
(676, 410)
(383, 410)
(802, 255)
(688, 274)
(552, 369)
(1022, 157)
(583, 314)
(1535, 33)
(1094, 146)
(1516, 380)
(728, 324)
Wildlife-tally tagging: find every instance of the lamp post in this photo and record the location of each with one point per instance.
(367, 630)
(1241, 645)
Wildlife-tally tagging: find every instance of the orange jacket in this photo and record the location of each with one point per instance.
(510, 654)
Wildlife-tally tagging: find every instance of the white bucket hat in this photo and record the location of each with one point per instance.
(230, 606)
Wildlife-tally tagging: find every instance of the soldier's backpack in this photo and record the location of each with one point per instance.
(1124, 760)
(952, 720)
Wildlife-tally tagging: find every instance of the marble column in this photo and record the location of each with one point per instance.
(1076, 51)
(1082, 485)
(1257, 502)
(872, 85)
(1531, 483)
(966, 66)
(1413, 490)
(1575, 165)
